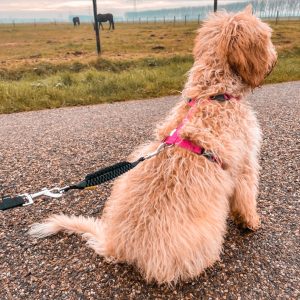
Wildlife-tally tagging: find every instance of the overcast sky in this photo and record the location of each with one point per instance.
(62, 8)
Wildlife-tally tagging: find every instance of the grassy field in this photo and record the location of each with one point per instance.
(48, 65)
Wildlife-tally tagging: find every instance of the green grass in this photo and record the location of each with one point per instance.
(55, 66)
(287, 67)
(91, 86)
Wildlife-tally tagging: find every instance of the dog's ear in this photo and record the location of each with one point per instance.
(247, 50)
(248, 9)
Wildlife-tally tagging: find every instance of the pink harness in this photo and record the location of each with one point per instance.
(175, 139)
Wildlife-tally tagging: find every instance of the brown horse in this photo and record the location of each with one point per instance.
(76, 21)
(104, 18)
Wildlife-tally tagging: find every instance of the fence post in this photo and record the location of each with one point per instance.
(96, 27)
(215, 5)
(184, 20)
(198, 19)
(174, 21)
(139, 20)
(277, 15)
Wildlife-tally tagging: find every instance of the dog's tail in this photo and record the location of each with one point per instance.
(91, 229)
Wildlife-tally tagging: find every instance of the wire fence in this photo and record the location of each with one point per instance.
(187, 19)
(175, 20)
(265, 9)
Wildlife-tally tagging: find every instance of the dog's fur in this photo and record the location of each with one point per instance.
(168, 215)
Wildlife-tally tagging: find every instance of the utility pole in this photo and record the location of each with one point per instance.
(215, 5)
(96, 27)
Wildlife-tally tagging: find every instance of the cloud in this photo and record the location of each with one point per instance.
(44, 7)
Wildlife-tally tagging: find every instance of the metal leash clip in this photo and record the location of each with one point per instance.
(158, 150)
(52, 193)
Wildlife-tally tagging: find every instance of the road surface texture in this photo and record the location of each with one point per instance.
(59, 146)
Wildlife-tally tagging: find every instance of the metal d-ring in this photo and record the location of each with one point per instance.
(158, 150)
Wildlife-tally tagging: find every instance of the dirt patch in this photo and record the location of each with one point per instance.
(37, 55)
(158, 47)
(12, 44)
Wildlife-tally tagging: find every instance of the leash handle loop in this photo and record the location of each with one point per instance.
(8, 202)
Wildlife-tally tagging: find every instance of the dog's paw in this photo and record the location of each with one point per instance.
(253, 223)
(249, 222)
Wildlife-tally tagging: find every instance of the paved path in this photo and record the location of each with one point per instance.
(54, 147)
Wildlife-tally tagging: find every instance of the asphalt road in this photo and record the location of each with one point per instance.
(57, 147)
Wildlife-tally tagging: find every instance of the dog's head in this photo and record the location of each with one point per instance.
(240, 41)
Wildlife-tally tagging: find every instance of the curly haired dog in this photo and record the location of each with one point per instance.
(168, 215)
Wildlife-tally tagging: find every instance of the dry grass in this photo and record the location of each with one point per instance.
(50, 65)
(64, 43)
(60, 43)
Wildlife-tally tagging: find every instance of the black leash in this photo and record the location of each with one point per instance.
(92, 179)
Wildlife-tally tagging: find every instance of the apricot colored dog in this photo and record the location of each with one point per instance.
(168, 215)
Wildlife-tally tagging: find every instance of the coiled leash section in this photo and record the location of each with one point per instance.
(104, 175)
(92, 179)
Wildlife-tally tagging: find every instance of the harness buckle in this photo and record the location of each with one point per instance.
(221, 97)
(209, 155)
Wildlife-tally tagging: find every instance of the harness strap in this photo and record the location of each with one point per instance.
(175, 139)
